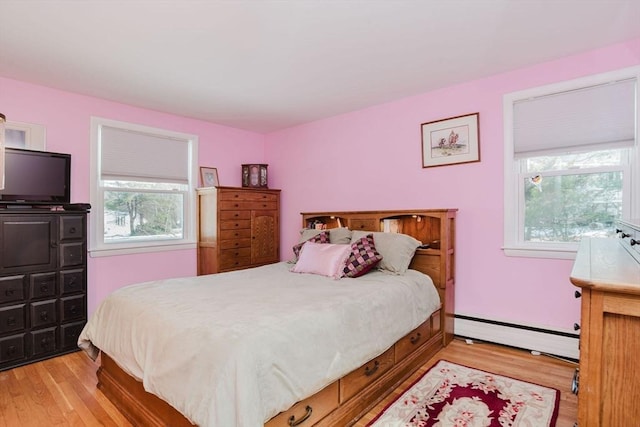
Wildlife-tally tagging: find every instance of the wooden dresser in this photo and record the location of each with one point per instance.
(43, 283)
(608, 271)
(237, 228)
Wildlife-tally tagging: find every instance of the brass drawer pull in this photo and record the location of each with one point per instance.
(370, 371)
(414, 339)
(292, 418)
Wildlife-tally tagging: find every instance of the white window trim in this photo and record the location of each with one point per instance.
(97, 247)
(513, 246)
(35, 135)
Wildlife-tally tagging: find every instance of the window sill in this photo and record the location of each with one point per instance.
(540, 252)
(104, 252)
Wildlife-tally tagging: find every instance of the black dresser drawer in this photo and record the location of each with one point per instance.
(43, 285)
(72, 308)
(43, 341)
(12, 288)
(72, 254)
(12, 318)
(72, 281)
(71, 228)
(12, 348)
(69, 333)
(43, 313)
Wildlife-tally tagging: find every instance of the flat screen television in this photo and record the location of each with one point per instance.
(36, 178)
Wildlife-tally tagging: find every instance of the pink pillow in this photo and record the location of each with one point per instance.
(325, 259)
(322, 237)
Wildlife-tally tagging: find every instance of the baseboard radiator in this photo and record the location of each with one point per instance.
(545, 341)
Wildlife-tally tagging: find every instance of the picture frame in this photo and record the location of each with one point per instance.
(209, 177)
(255, 175)
(451, 141)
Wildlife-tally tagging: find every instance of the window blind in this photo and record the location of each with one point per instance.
(594, 117)
(130, 155)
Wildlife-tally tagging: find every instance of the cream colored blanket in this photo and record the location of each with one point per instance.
(235, 349)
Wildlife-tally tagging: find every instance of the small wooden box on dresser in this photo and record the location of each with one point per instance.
(237, 228)
(43, 276)
(608, 271)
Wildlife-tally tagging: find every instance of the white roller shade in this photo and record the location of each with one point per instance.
(595, 117)
(135, 155)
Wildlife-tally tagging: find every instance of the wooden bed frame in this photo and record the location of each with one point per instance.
(349, 398)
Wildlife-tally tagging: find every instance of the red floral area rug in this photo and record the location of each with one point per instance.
(454, 395)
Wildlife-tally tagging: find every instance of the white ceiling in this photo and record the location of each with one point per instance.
(268, 65)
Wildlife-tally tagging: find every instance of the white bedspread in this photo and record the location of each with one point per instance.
(235, 349)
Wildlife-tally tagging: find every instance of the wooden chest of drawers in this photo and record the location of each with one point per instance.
(237, 228)
(43, 284)
(608, 272)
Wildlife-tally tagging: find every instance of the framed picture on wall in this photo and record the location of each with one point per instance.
(451, 141)
(209, 177)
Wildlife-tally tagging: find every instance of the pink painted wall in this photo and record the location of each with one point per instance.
(66, 117)
(368, 159)
(371, 159)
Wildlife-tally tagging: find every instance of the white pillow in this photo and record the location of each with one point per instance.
(396, 249)
(325, 259)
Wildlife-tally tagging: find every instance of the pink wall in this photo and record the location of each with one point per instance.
(368, 159)
(66, 117)
(371, 159)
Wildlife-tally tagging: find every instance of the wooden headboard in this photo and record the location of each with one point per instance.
(435, 227)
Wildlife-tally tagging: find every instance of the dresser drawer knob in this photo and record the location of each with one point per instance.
(292, 419)
(414, 339)
(44, 316)
(9, 292)
(72, 230)
(44, 287)
(11, 350)
(576, 327)
(577, 294)
(625, 235)
(11, 320)
(634, 242)
(370, 371)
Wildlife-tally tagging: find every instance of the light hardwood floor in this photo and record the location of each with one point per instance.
(62, 391)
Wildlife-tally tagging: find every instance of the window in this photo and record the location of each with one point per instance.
(571, 163)
(24, 135)
(142, 190)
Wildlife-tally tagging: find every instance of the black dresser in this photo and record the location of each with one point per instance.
(43, 277)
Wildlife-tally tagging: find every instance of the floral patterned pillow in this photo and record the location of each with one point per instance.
(363, 258)
(322, 237)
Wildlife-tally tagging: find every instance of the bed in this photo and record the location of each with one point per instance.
(269, 346)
